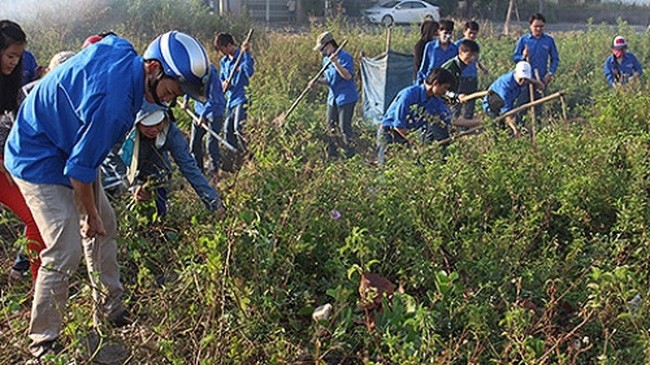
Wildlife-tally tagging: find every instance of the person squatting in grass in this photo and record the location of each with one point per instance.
(63, 131)
(211, 115)
(419, 107)
(342, 95)
(539, 50)
(146, 150)
(235, 89)
(468, 81)
(621, 66)
(438, 51)
(505, 90)
(428, 32)
(12, 46)
(23, 260)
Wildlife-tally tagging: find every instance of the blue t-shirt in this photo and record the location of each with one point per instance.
(216, 100)
(29, 67)
(470, 70)
(507, 88)
(412, 109)
(341, 91)
(625, 69)
(435, 56)
(74, 116)
(540, 50)
(236, 93)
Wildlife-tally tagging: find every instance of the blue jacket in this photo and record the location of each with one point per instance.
(507, 88)
(540, 50)
(435, 56)
(470, 70)
(76, 114)
(29, 67)
(625, 69)
(216, 103)
(412, 107)
(341, 91)
(236, 93)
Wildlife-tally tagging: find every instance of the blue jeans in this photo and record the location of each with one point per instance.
(234, 127)
(196, 143)
(340, 134)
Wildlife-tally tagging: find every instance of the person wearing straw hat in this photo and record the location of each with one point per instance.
(145, 152)
(342, 96)
(621, 65)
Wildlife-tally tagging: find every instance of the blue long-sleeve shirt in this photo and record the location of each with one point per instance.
(177, 146)
(470, 70)
(540, 51)
(216, 103)
(508, 89)
(236, 93)
(435, 56)
(70, 121)
(341, 91)
(625, 69)
(412, 108)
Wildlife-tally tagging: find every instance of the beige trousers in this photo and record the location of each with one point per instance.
(59, 220)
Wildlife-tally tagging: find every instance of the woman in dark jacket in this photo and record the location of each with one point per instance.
(428, 32)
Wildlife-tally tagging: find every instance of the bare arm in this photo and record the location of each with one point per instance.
(85, 194)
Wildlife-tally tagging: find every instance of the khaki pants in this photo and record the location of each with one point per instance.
(58, 219)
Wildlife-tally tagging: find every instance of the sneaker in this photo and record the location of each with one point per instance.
(46, 349)
(123, 319)
(17, 275)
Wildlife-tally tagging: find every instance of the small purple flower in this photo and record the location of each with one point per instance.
(335, 214)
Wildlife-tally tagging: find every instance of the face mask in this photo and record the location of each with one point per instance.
(323, 53)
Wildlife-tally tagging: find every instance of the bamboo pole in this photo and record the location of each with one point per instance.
(564, 109)
(531, 104)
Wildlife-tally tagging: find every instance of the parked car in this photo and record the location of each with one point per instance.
(402, 11)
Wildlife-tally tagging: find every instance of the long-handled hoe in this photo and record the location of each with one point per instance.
(279, 120)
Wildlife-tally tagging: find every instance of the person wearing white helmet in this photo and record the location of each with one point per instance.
(505, 90)
(621, 65)
(63, 132)
(146, 153)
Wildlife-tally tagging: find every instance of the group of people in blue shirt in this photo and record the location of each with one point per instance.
(57, 137)
(60, 135)
(536, 61)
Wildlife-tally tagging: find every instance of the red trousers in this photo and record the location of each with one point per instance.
(11, 197)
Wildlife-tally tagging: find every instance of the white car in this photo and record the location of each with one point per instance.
(402, 11)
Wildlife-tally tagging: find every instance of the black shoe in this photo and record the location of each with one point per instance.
(50, 348)
(121, 320)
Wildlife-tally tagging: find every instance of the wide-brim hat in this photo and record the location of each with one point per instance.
(323, 39)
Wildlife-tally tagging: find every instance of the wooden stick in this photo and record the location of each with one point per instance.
(564, 110)
(501, 117)
(196, 120)
(239, 58)
(531, 93)
(388, 38)
(531, 104)
(476, 95)
(281, 118)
